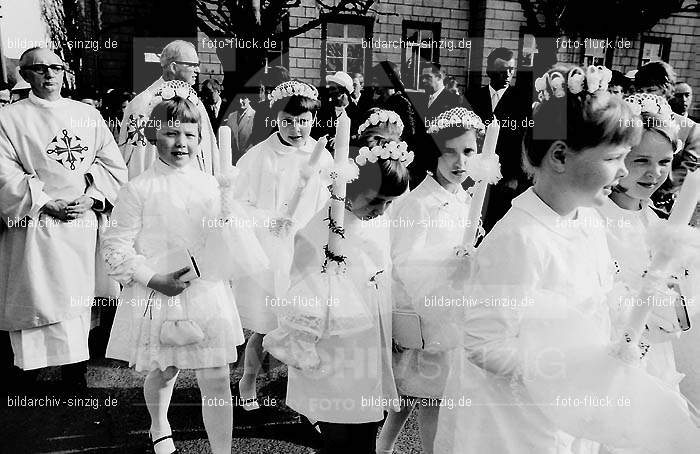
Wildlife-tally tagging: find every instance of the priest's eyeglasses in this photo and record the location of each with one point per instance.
(190, 64)
(44, 69)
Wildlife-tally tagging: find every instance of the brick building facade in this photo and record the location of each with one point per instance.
(483, 24)
(458, 34)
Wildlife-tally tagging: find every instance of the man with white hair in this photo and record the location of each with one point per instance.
(60, 169)
(179, 61)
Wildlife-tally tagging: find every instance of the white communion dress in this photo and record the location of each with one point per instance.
(427, 224)
(354, 383)
(162, 211)
(627, 238)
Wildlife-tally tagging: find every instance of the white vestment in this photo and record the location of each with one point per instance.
(269, 173)
(139, 154)
(50, 150)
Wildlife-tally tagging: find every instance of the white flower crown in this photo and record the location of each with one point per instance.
(649, 103)
(177, 88)
(397, 151)
(455, 118)
(383, 116)
(292, 88)
(595, 78)
(655, 105)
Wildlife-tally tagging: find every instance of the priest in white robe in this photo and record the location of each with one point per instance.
(60, 169)
(179, 61)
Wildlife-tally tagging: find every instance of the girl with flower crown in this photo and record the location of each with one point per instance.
(428, 223)
(168, 319)
(539, 373)
(268, 175)
(351, 385)
(629, 218)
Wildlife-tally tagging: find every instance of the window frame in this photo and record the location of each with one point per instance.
(436, 29)
(608, 53)
(346, 19)
(284, 61)
(663, 41)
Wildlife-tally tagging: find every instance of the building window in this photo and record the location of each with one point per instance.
(528, 50)
(420, 50)
(343, 48)
(654, 49)
(278, 53)
(593, 52)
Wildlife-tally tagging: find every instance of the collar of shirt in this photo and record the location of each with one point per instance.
(161, 167)
(216, 107)
(45, 103)
(499, 93)
(572, 228)
(441, 194)
(434, 96)
(282, 149)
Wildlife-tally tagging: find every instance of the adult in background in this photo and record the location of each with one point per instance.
(114, 104)
(682, 100)
(338, 88)
(385, 90)
(358, 83)
(440, 99)
(265, 123)
(659, 78)
(511, 106)
(60, 169)
(619, 84)
(241, 123)
(215, 105)
(179, 61)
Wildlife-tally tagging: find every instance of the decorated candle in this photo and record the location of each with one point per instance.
(306, 173)
(688, 198)
(488, 151)
(225, 148)
(342, 150)
(661, 264)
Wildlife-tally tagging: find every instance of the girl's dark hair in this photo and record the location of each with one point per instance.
(295, 105)
(172, 112)
(582, 120)
(386, 177)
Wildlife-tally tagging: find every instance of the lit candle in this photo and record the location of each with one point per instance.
(488, 151)
(342, 150)
(687, 201)
(225, 148)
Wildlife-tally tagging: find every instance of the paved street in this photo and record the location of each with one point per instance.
(112, 417)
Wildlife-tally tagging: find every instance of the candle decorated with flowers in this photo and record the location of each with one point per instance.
(306, 173)
(676, 234)
(337, 208)
(488, 153)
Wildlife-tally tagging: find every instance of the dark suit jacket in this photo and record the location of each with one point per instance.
(445, 101)
(220, 117)
(512, 111)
